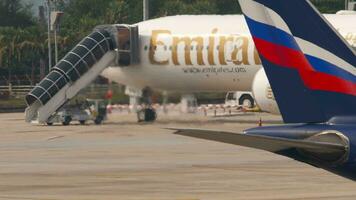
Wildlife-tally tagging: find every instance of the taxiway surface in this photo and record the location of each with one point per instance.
(125, 160)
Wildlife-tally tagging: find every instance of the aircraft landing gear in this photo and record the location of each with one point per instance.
(147, 115)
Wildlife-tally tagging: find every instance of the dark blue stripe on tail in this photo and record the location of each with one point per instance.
(304, 22)
(271, 34)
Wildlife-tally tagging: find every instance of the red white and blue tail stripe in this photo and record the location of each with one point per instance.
(309, 65)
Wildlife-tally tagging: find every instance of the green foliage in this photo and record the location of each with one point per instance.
(13, 13)
(21, 49)
(81, 16)
(10, 40)
(228, 7)
(174, 7)
(329, 6)
(15, 19)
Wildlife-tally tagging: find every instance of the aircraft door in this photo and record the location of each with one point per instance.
(128, 45)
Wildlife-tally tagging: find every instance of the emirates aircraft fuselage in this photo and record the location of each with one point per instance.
(204, 53)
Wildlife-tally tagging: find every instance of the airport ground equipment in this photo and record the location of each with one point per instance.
(70, 113)
(105, 46)
(91, 109)
(98, 111)
(239, 98)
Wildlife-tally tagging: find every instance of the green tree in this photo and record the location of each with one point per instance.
(10, 38)
(228, 7)
(81, 17)
(13, 13)
(329, 6)
(174, 7)
(33, 47)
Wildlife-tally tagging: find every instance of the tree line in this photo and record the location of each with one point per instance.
(23, 34)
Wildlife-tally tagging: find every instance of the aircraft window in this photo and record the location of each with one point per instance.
(192, 48)
(217, 47)
(230, 96)
(146, 47)
(207, 47)
(170, 48)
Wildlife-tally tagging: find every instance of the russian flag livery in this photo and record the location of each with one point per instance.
(310, 67)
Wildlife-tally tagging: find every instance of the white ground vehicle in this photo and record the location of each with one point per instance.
(91, 109)
(70, 113)
(239, 98)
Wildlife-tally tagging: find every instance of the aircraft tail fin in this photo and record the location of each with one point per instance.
(311, 68)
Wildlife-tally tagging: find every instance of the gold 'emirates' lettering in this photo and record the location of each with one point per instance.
(239, 52)
(223, 41)
(187, 49)
(211, 47)
(153, 46)
(242, 49)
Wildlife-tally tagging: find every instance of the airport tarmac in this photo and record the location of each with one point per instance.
(125, 160)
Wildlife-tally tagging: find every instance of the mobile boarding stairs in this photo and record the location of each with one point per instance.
(111, 45)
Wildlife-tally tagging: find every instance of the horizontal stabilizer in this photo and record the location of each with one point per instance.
(272, 144)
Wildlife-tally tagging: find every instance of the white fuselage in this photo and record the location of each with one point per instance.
(201, 53)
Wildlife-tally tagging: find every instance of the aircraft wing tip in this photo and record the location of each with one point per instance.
(177, 130)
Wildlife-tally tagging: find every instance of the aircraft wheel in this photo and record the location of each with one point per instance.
(67, 120)
(147, 115)
(98, 120)
(82, 122)
(141, 115)
(247, 101)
